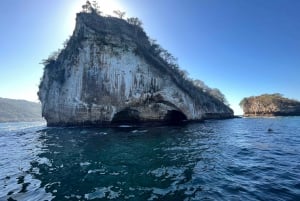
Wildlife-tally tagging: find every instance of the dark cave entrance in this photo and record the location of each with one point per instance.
(127, 116)
(174, 116)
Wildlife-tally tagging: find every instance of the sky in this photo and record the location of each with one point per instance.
(243, 48)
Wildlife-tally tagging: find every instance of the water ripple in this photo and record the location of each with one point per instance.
(233, 159)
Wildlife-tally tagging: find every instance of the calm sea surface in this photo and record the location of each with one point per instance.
(236, 159)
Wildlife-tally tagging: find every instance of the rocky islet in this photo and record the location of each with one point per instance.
(110, 72)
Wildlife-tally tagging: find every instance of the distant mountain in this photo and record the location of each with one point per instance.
(12, 110)
(270, 105)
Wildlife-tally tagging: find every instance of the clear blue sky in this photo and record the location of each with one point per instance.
(242, 47)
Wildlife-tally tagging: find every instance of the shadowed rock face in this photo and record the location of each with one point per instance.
(107, 73)
(270, 105)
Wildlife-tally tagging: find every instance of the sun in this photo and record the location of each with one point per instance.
(108, 6)
(105, 6)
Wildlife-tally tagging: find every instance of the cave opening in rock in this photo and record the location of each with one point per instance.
(175, 116)
(127, 116)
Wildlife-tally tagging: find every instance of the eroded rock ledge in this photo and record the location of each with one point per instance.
(109, 73)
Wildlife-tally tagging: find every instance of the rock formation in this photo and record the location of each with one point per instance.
(270, 105)
(109, 72)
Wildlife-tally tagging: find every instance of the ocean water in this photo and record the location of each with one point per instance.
(234, 159)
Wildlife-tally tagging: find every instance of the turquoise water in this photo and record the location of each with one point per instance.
(235, 159)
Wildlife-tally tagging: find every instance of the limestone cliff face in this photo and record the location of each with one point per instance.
(107, 73)
(270, 105)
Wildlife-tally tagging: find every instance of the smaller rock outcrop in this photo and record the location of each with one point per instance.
(270, 105)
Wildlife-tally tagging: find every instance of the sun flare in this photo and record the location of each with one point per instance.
(106, 6)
